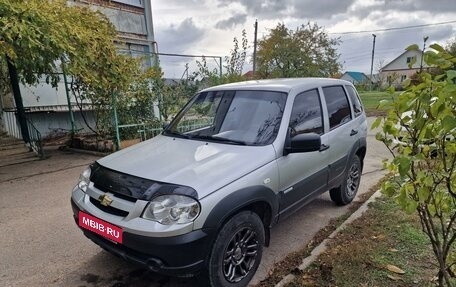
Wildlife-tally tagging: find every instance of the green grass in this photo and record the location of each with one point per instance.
(371, 101)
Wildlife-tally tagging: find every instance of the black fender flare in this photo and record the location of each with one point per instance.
(360, 144)
(240, 199)
(353, 151)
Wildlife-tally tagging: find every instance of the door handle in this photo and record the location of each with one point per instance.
(353, 132)
(324, 147)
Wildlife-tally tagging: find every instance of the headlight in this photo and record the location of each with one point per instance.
(84, 179)
(172, 209)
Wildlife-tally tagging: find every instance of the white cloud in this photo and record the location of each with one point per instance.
(231, 22)
(208, 26)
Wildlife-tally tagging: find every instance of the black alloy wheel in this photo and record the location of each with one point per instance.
(240, 255)
(237, 251)
(346, 192)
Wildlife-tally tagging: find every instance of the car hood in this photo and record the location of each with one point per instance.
(203, 166)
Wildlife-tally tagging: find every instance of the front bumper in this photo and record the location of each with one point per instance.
(181, 255)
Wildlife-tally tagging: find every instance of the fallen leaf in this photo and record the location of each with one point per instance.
(393, 250)
(395, 269)
(395, 278)
(381, 236)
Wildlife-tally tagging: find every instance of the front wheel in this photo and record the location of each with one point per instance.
(237, 251)
(345, 193)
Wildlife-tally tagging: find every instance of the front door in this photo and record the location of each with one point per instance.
(304, 175)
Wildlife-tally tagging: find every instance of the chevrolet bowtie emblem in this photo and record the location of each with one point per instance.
(105, 200)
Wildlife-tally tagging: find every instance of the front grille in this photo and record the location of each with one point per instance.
(120, 195)
(108, 209)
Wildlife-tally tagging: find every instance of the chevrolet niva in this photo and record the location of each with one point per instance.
(202, 197)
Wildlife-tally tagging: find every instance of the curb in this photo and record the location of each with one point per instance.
(323, 246)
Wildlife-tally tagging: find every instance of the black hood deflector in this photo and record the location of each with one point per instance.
(131, 187)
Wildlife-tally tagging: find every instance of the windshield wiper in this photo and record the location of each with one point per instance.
(219, 139)
(176, 134)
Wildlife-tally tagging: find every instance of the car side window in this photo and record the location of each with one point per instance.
(306, 115)
(338, 106)
(356, 103)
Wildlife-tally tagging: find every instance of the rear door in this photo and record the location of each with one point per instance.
(304, 175)
(359, 117)
(342, 133)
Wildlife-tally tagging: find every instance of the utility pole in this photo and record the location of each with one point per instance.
(422, 52)
(255, 47)
(372, 62)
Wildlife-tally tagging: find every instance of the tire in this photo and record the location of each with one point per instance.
(345, 193)
(237, 251)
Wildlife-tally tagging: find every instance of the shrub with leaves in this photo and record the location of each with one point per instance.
(420, 131)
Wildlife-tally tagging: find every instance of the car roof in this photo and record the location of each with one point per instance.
(280, 85)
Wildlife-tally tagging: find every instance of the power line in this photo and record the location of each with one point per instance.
(393, 29)
(168, 54)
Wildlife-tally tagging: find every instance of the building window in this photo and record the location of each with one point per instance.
(410, 59)
(139, 51)
(137, 3)
(403, 77)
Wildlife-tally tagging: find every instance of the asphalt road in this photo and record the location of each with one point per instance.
(40, 244)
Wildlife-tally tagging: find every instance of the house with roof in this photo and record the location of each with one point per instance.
(402, 67)
(356, 78)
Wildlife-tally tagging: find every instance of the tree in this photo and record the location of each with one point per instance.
(451, 47)
(236, 60)
(5, 86)
(306, 51)
(234, 66)
(420, 131)
(381, 77)
(173, 96)
(38, 37)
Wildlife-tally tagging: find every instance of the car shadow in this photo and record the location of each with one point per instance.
(105, 269)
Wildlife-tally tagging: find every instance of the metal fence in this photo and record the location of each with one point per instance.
(176, 68)
(11, 122)
(136, 122)
(12, 128)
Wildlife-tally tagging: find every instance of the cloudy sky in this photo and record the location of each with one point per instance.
(207, 27)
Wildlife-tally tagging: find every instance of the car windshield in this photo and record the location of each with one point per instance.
(232, 117)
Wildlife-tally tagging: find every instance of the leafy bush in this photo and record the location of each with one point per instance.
(420, 131)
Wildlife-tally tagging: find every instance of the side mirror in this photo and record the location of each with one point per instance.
(303, 143)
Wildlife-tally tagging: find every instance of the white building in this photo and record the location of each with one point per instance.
(401, 68)
(47, 107)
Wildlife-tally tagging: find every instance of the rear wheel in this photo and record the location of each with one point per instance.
(237, 251)
(345, 193)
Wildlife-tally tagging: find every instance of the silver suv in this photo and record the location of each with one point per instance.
(201, 197)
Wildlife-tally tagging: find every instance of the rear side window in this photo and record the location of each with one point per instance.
(338, 106)
(306, 115)
(356, 103)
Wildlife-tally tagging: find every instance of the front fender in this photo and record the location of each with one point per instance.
(240, 199)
